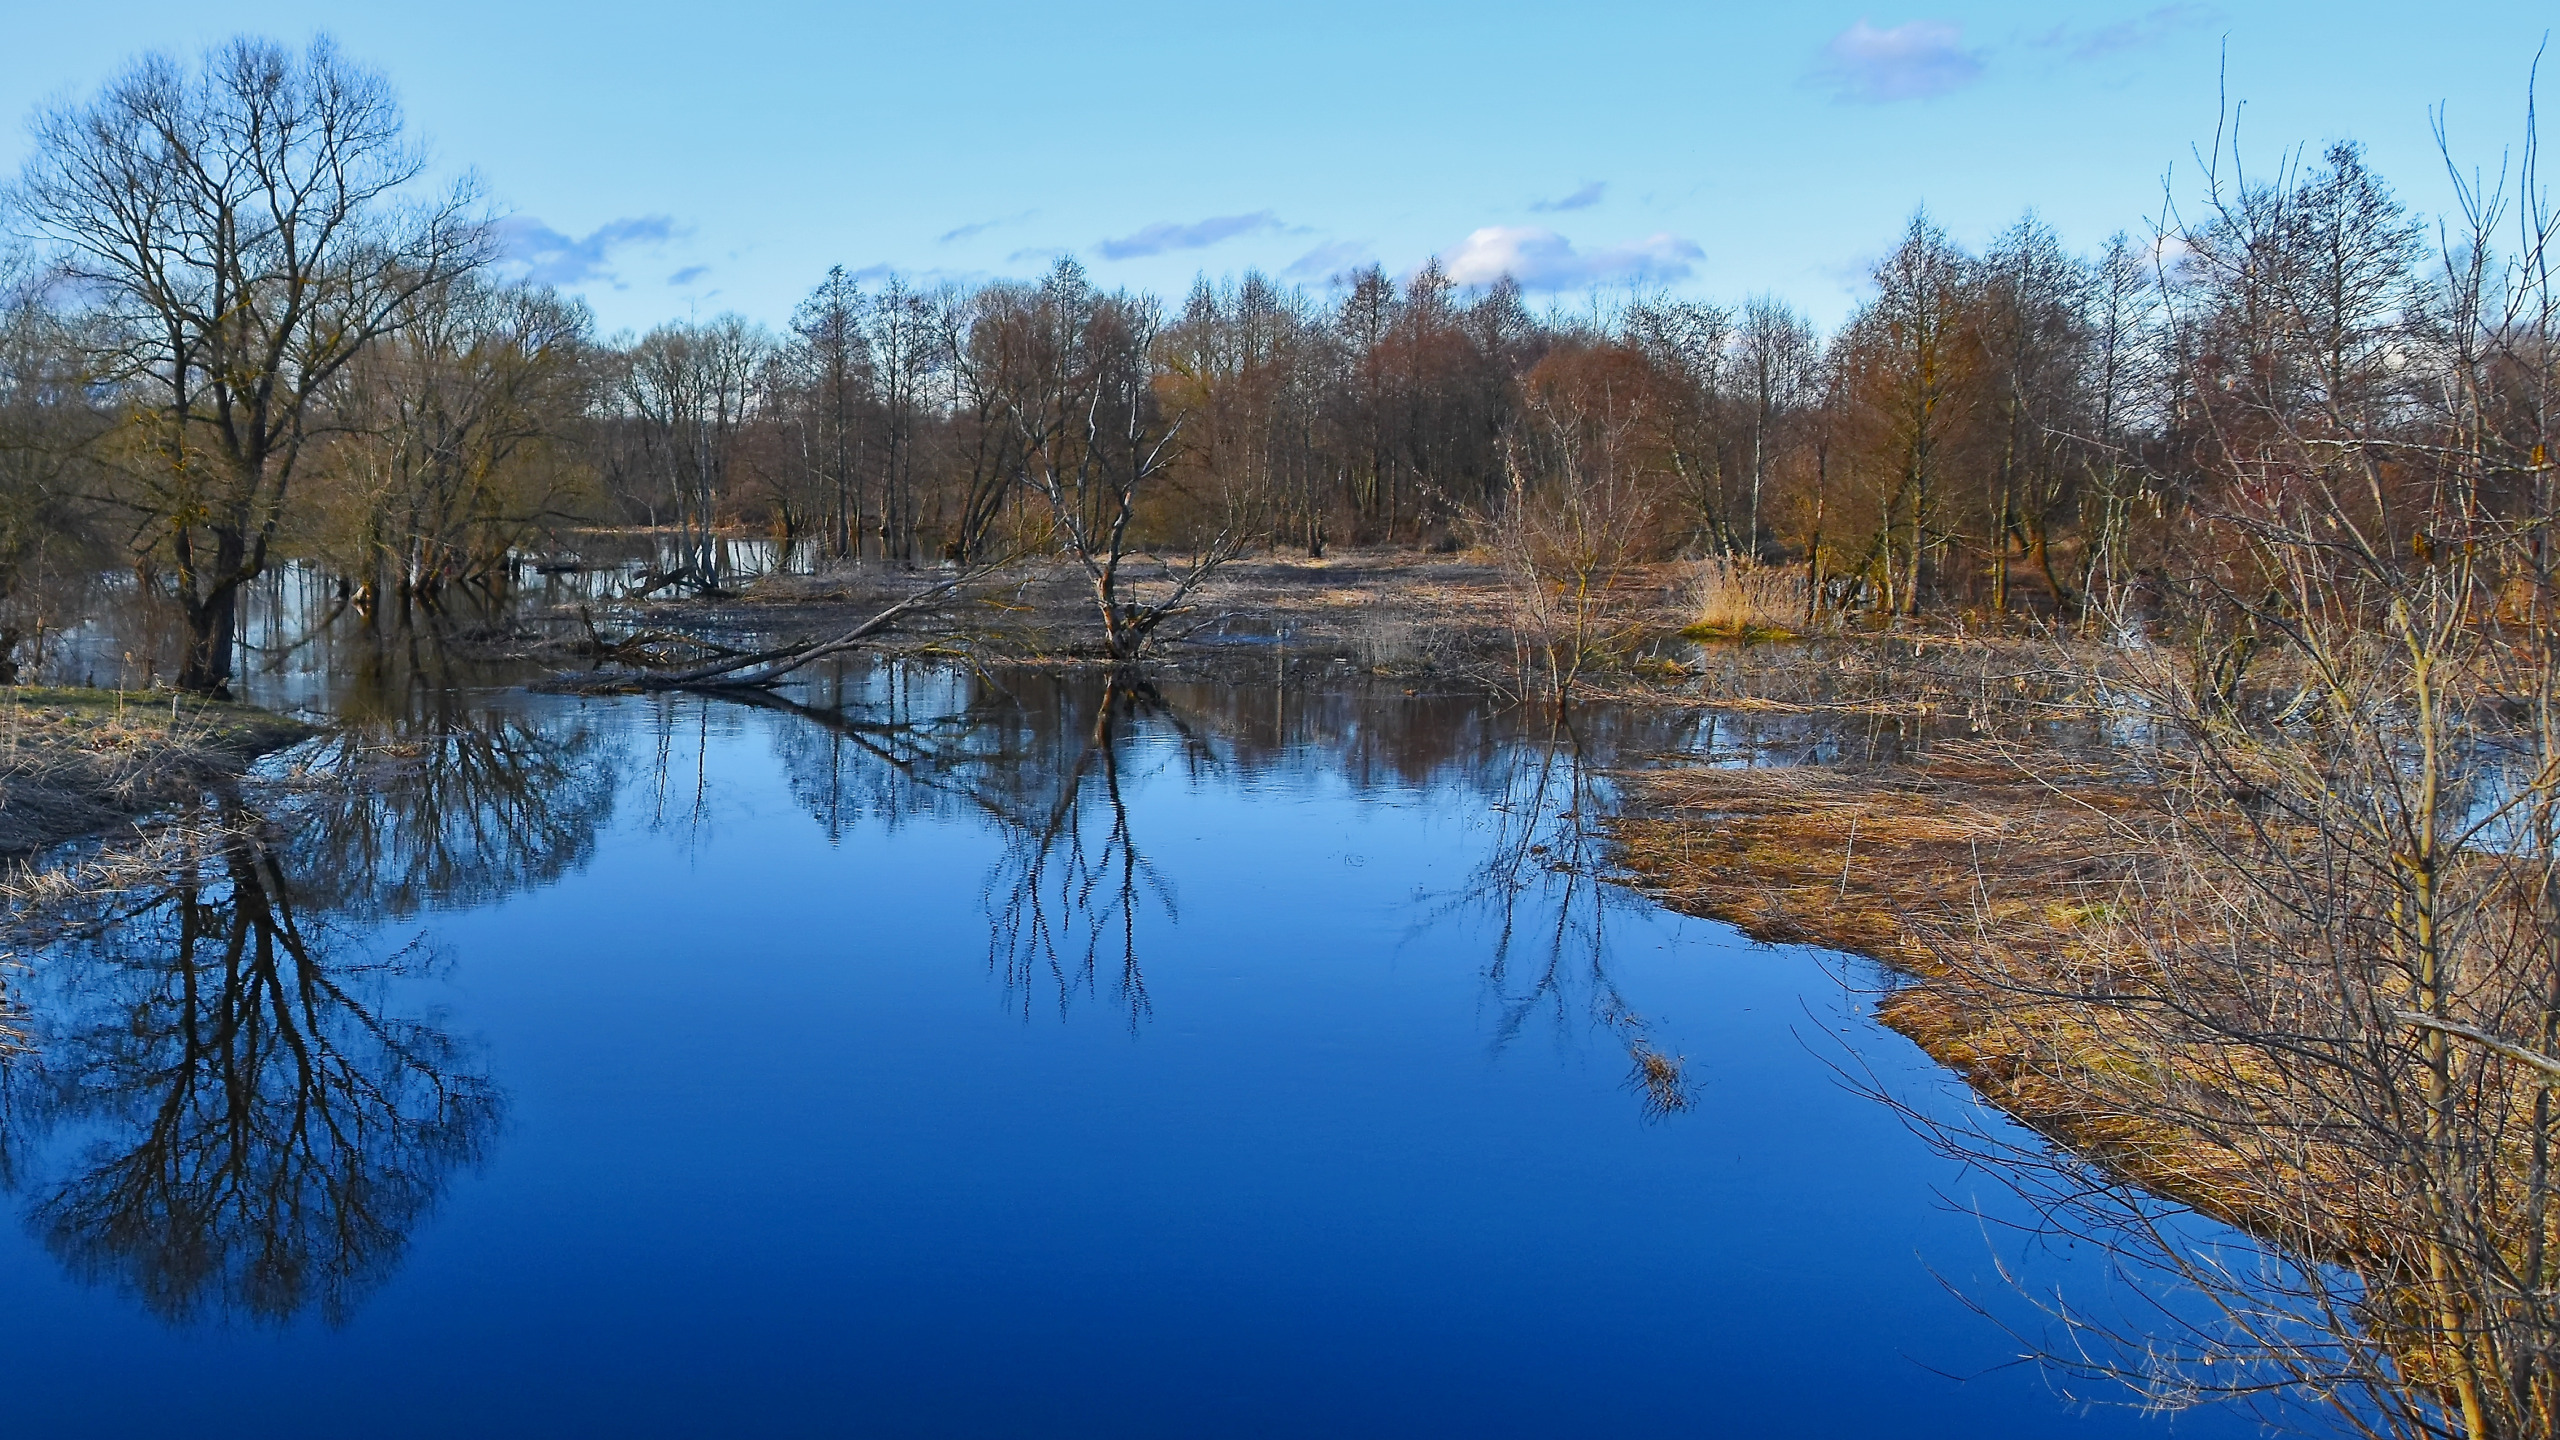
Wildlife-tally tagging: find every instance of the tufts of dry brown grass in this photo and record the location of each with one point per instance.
(1997, 895)
(1661, 1079)
(1736, 599)
(73, 762)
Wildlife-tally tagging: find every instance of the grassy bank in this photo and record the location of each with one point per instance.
(75, 762)
(1989, 889)
(2076, 944)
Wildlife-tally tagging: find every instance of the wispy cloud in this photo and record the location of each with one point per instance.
(1582, 199)
(688, 274)
(1544, 260)
(2139, 32)
(1911, 61)
(548, 257)
(1328, 260)
(958, 233)
(1167, 235)
(1033, 252)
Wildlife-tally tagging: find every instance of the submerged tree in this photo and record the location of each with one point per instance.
(1098, 440)
(690, 392)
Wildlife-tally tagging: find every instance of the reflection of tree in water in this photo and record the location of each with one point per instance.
(1543, 881)
(257, 1133)
(263, 1137)
(1063, 900)
(1044, 758)
(1042, 762)
(21, 1104)
(453, 805)
(889, 743)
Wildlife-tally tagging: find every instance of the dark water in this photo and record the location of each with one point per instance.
(940, 1053)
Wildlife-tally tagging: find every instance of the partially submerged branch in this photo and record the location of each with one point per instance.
(760, 669)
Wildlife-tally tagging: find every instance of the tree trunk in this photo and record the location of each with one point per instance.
(213, 620)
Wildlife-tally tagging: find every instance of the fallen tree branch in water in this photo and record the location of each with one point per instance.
(645, 646)
(762, 669)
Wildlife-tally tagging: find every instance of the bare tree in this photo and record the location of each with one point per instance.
(692, 390)
(241, 228)
(1775, 354)
(1579, 516)
(902, 334)
(834, 365)
(1096, 439)
(2123, 374)
(1691, 345)
(456, 437)
(2317, 990)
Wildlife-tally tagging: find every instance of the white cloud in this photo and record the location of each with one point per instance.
(1912, 61)
(1544, 260)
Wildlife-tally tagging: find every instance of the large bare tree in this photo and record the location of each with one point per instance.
(244, 229)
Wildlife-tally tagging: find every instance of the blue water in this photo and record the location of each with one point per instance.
(1007, 1061)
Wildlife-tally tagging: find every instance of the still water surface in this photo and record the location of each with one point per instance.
(949, 1053)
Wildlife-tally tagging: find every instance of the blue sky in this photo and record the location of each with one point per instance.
(666, 160)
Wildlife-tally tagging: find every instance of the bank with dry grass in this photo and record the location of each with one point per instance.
(77, 762)
(2189, 979)
(1985, 887)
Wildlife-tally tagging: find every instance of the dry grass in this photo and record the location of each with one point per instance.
(2016, 907)
(1736, 599)
(74, 762)
(1661, 1079)
(2073, 950)
(1994, 893)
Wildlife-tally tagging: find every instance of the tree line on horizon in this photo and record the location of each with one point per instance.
(240, 331)
(2292, 449)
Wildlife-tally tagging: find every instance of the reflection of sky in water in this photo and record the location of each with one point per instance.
(789, 1148)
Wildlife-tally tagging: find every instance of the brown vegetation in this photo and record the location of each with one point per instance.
(1950, 870)
(73, 762)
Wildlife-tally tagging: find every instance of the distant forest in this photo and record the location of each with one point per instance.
(237, 330)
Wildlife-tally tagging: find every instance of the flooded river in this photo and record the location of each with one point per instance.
(929, 1051)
